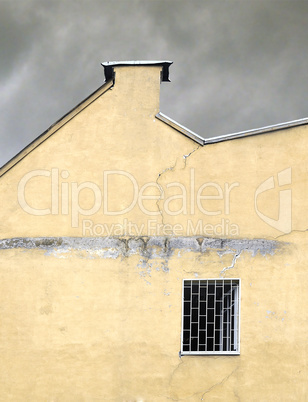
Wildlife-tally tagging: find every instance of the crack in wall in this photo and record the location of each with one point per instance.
(171, 168)
(188, 155)
(201, 392)
(235, 257)
(219, 383)
(161, 190)
(175, 370)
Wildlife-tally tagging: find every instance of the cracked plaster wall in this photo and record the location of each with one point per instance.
(108, 311)
(84, 315)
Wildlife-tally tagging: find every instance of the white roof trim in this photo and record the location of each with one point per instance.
(180, 128)
(233, 136)
(262, 130)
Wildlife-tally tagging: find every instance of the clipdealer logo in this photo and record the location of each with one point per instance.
(188, 199)
(64, 199)
(284, 221)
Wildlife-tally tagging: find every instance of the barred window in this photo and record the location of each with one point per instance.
(210, 318)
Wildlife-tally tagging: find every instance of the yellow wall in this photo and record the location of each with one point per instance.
(85, 319)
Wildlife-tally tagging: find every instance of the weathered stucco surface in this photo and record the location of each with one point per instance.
(76, 326)
(90, 303)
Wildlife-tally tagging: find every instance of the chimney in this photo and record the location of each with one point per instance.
(137, 83)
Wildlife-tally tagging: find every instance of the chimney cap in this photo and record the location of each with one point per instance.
(109, 65)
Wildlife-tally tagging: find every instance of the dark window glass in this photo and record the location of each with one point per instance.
(186, 308)
(202, 308)
(218, 292)
(210, 330)
(210, 315)
(186, 322)
(211, 289)
(210, 301)
(194, 330)
(210, 344)
(195, 315)
(202, 293)
(194, 344)
(195, 287)
(202, 322)
(195, 301)
(217, 337)
(202, 337)
(227, 288)
(186, 337)
(187, 292)
(218, 307)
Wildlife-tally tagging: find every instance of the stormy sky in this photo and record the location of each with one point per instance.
(238, 65)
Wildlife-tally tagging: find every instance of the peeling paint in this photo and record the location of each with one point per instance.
(238, 246)
(146, 247)
(235, 257)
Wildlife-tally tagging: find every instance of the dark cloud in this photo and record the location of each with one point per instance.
(237, 64)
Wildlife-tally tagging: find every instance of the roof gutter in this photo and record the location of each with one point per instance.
(227, 137)
(262, 130)
(177, 126)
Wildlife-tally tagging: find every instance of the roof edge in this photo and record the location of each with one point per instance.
(233, 136)
(179, 127)
(256, 131)
(55, 127)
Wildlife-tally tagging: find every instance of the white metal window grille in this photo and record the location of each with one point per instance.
(210, 319)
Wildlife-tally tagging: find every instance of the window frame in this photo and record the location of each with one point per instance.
(215, 352)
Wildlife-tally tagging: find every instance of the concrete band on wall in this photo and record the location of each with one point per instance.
(149, 247)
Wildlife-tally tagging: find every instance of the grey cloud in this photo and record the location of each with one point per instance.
(237, 64)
